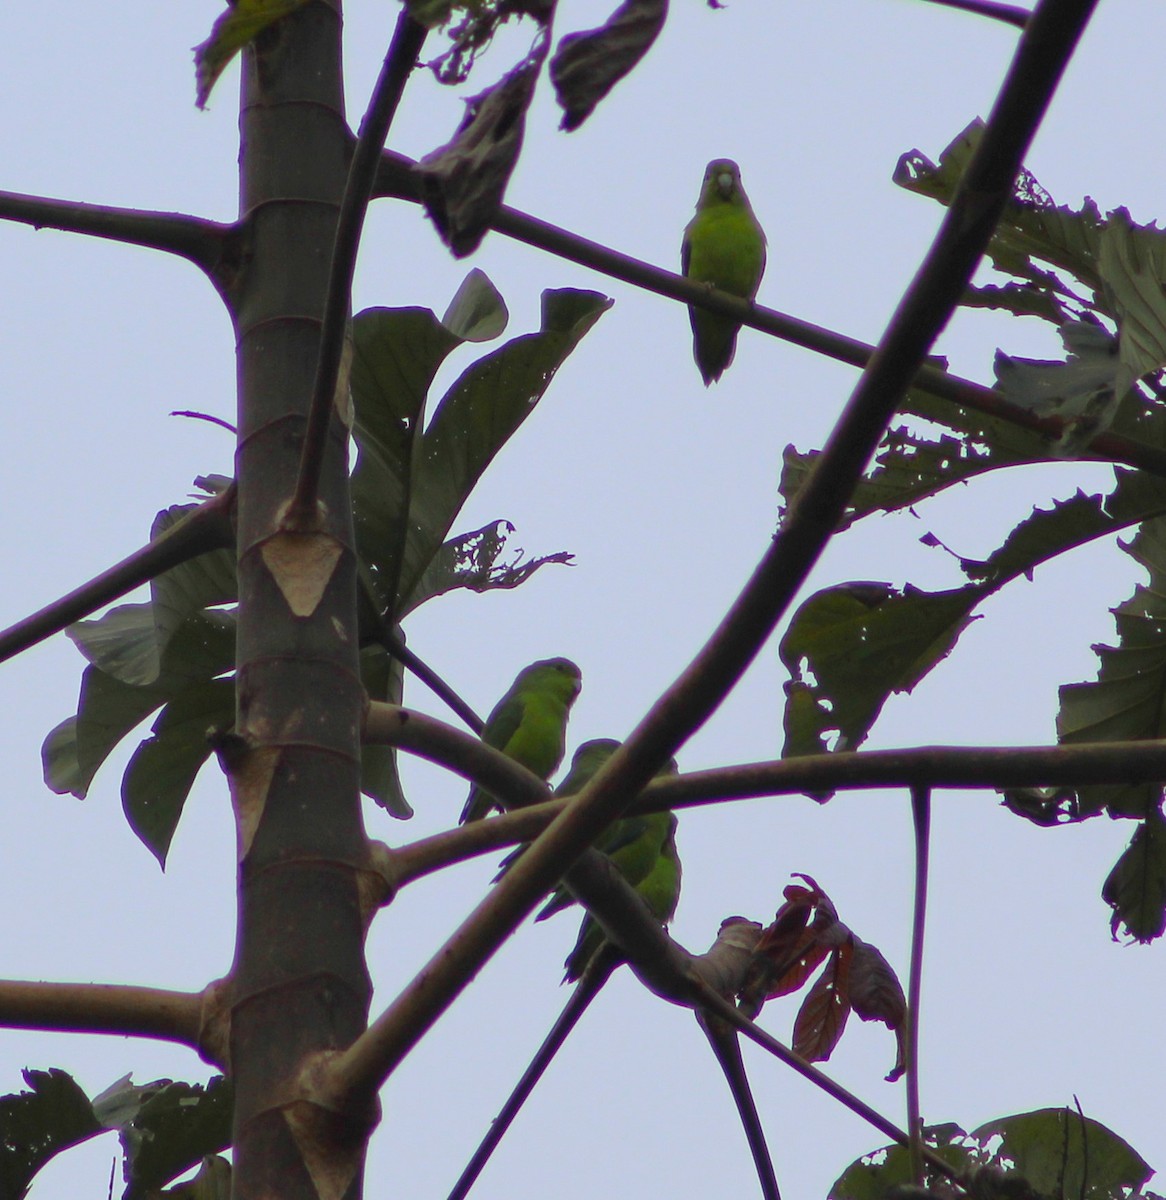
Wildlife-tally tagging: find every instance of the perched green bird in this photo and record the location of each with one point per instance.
(659, 889)
(529, 724)
(723, 247)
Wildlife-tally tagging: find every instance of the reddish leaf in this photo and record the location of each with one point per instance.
(822, 1017)
(877, 995)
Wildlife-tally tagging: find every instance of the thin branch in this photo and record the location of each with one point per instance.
(200, 241)
(921, 820)
(207, 528)
(727, 1049)
(714, 1003)
(401, 58)
(396, 180)
(691, 700)
(589, 986)
(102, 1008)
(928, 766)
(1008, 13)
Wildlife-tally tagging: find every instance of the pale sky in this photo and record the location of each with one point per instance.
(667, 495)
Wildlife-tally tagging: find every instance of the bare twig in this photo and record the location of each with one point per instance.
(921, 820)
(208, 527)
(401, 58)
(199, 241)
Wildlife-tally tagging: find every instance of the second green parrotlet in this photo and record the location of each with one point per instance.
(529, 724)
(724, 247)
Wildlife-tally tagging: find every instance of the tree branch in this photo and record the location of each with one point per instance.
(921, 820)
(927, 766)
(102, 1008)
(727, 1050)
(202, 242)
(208, 527)
(400, 59)
(714, 1003)
(396, 180)
(1008, 13)
(589, 986)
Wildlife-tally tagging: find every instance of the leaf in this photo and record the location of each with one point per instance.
(1024, 299)
(1136, 887)
(822, 1016)
(174, 1129)
(108, 708)
(477, 312)
(872, 1176)
(854, 644)
(463, 182)
(912, 463)
(1062, 1153)
(877, 995)
(1137, 496)
(470, 560)
(1031, 226)
(201, 582)
(480, 413)
(587, 65)
(384, 679)
(1082, 390)
(243, 21)
(38, 1124)
(163, 768)
(1132, 261)
(396, 354)
(1128, 699)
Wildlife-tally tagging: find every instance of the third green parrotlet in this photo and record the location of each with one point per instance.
(659, 888)
(724, 247)
(529, 724)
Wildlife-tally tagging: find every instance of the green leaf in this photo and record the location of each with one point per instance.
(1061, 1153)
(915, 462)
(853, 645)
(109, 708)
(37, 1125)
(1136, 887)
(1023, 299)
(384, 679)
(1031, 226)
(870, 1177)
(477, 313)
(471, 560)
(1128, 699)
(1132, 260)
(163, 768)
(201, 582)
(1081, 390)
(480, 413)
(397, 352)
(243, 21)
(174, 1129)
(1069, 524)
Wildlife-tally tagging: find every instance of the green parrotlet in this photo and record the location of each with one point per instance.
(724, 247)
(529, 724)
(659, 889)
